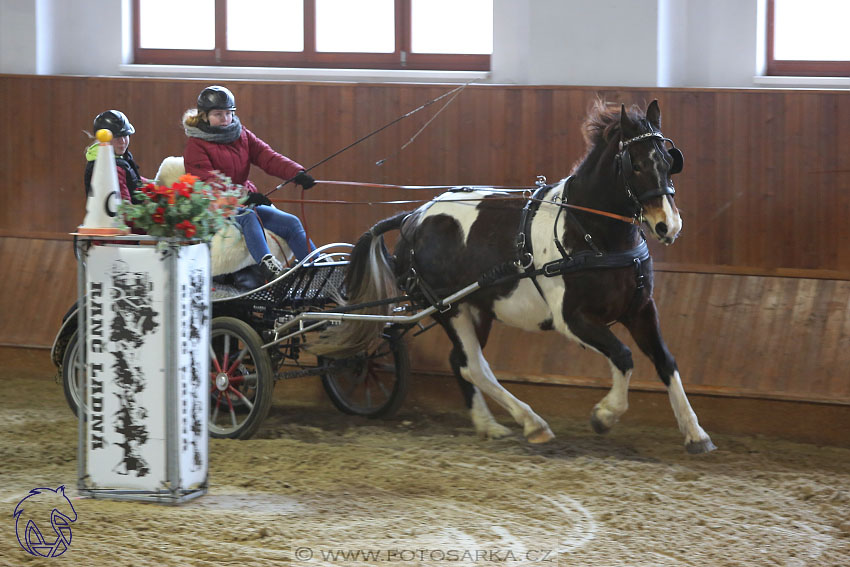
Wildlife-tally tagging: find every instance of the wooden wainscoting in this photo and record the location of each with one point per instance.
(39, 286)
(754, 336)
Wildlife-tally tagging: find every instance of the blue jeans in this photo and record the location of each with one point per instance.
(283, 224)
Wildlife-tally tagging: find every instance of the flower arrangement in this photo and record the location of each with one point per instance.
(189, 209)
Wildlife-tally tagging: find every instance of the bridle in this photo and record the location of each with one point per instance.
(624, 163)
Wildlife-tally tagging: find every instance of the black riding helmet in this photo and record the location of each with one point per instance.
(216, 98)
(115, 122)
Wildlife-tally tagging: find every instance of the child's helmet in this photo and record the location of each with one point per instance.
(216, 97)
(115, 122)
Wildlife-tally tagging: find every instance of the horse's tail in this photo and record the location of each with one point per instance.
(369, 278)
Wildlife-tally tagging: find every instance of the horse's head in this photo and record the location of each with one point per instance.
(647, 161)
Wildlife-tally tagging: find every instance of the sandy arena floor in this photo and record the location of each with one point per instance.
(320, 488)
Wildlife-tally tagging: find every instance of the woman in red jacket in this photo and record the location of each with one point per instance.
(217, 141)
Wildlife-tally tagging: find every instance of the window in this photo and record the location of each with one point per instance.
(808, 38)
(361, 34)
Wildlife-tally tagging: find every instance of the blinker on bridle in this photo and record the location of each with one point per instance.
(625, 161)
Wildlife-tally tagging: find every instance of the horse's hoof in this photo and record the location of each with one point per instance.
(597, 421)
(494, 431)
(598, 426)
(541, 435)
(697, 447)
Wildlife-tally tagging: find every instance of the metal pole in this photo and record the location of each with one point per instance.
(172, 384)
(84, 405)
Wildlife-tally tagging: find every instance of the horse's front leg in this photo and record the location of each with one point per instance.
(600, 338)
(646, 331)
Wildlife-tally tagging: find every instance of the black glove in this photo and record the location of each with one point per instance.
(305, 180)
(257, 198)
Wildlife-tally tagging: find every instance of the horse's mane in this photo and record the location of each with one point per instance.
(602, 125)
(603, 121)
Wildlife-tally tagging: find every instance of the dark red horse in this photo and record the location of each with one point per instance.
(572, 258)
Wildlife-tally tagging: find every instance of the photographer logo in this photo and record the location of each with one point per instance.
(43, 521)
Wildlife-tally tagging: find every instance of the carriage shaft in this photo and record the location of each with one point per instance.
(324, 316)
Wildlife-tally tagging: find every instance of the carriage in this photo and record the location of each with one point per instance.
(248, 355)
(569, 256)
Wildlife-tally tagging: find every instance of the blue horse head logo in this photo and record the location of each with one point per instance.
(62, 515)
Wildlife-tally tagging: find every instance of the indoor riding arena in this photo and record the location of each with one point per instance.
(739, 455)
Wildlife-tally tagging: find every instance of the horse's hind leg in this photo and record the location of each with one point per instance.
(468, 361)
(645, 329)
(485, 424)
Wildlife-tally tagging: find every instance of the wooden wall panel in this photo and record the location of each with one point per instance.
(765, 192)
(765, 185)
(39, 286)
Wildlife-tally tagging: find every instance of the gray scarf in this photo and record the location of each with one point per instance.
(217, 134)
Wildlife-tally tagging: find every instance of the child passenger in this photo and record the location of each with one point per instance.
(129, 178)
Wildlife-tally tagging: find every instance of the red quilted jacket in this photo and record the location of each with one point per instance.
(234, 160)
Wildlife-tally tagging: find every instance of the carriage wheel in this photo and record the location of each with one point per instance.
(241, 380)
(371, 384)
(73, 375)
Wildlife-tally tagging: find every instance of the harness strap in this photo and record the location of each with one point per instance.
(524, 246)
(585, 260)
(589, 260)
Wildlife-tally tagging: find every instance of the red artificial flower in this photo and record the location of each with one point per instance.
(166, 192)
(183, 189)
(188, 228)
(158, 216)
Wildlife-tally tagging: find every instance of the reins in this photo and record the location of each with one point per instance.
(511, 189)
(457, 90)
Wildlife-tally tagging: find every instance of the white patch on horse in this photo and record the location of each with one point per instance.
(674, 219)
(656, 164)
(451, 204)
(524, 308)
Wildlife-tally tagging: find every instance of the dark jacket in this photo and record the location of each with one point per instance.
(129, 178)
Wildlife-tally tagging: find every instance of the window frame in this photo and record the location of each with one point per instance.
(400, 59)
(802, 68)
